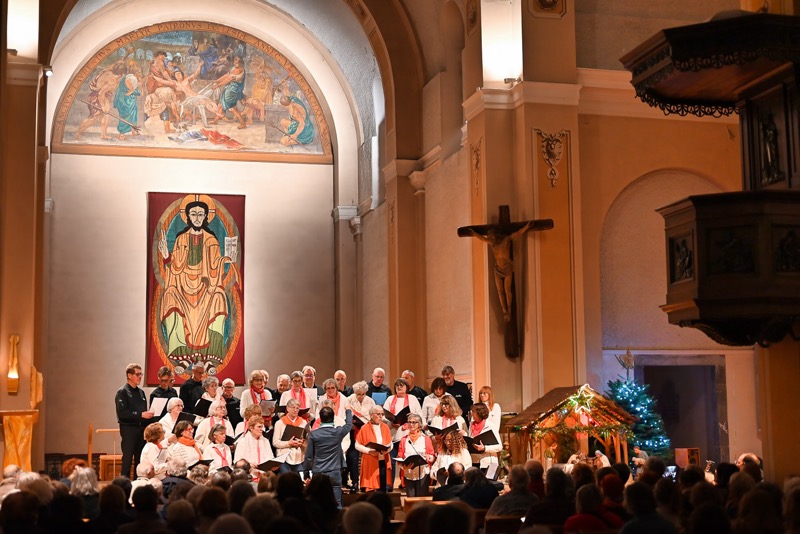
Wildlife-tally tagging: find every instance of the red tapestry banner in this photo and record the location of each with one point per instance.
(195, 284)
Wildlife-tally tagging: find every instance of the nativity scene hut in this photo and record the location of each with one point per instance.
(562, 422)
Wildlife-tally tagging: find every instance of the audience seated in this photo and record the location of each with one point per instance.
(557, 505)
(452, 489)
(589, 514)
(478, 492)
(518, 498)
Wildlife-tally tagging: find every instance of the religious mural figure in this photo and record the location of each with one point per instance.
(199, 282)
(187, 86)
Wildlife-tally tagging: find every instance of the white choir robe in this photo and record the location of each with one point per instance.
(489, 455)
(185, 453)
(342, 406)
(413, 406)
(204, 428)
(255, 451)
(216, 452)
(495, 415)
(246, 399)
(150, 454)
(440, 422)
(296, 454)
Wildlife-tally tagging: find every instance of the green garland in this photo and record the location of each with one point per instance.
(537, 433)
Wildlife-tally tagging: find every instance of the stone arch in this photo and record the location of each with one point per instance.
(452, 28)
(632, 263)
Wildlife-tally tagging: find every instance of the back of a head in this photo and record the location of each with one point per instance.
(612, 487)
(39, 487)
(455, 473)
(20, 508)
(558, 485)
(752, 469)
(474, 477)
(690, 476)
(11, 471)
(288, 485)
(639, 499)
(708, 518)
(221, 480)
(326, 415)
(666, 492)
(125, 484)
(535, 470)
(112, 499)
(704, 492)
(227, 523)
(655, 465)
(239, 493)
(452, 517)
(362, 518)
(757, 511)
(582, 474)
(382, 502)
(725, 471)
(518, 479)
(260, 511)
(145, 499)
(213, 503)
(741, 483)
(194, 495)
(588, 499)
(66, 509)
(417, 519)
(180, 514)
(623, 471)
(792, 510)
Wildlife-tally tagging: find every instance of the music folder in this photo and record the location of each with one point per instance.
(400, 418)
(159, 406)
(379, 397)
(358, 422)
(444, 430)
(230, 441)
(415, 460)
(201, 407)
(188, 417)
(485, 438)
(267, 406)
(275, 463)
(292, 431)
(377, 446)
(225, 469)
(200, 462)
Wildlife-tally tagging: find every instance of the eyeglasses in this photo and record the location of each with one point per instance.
(228, 387)
(139, 373)
(413, 423)
(331, 387)
(167, 380)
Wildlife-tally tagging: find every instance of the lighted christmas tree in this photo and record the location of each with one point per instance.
(648, 430)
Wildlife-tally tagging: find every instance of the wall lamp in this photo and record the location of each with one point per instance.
(48, 70)
(12, 379)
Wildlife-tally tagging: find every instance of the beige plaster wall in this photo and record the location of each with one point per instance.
(98, 269)
(448, 268)
(615, 151)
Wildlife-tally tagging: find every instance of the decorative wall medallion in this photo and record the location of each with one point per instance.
(547, 8)
(472, 16)
(732, 250)
(681, 251)
(786, 244)
(552, 147)
(475, 163)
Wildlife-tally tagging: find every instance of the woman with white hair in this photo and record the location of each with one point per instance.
(217, 413)
(416, 443)
(332, 394)
(296, 446)
(359, 403)
(174, 407)
(84, 485)
(306, 397)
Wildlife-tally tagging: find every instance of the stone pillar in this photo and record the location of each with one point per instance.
(407, 304)
(21, 227)
(347, 244)
(522, 136)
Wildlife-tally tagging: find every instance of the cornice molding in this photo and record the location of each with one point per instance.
(24, 74)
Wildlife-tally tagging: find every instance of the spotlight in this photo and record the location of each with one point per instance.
(48, 70)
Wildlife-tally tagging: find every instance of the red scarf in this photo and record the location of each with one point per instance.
(222, 456)
(477, 428)
(287, 421)
(258, 394)
(301, 397)
(190, 443)
(394, 403)
(335, 403)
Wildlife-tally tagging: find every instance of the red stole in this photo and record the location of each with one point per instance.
(477, 428)
(394, 403)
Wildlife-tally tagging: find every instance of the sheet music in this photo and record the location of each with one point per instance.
(158, 405)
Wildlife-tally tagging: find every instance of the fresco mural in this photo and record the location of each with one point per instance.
(195, 284)
(191, 89)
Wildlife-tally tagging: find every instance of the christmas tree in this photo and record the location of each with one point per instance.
(648, 430)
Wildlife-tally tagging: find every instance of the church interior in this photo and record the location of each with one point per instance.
(430, 115)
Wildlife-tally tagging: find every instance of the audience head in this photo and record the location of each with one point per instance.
(709, 517)
(320, 491)
(362, 518)
(213, 503)
(199, 474)
(558, 485)
(68, 467)
(455, 473)
(239, 493)
(261, 511)
(518, 479)
(38, 486)
(452, 517)
(112, 499)
(21, 509)
(287, 486)
(125, 484)
(690, 476)
(724, 473)
(588, 499)
(84, 482)
(227, 523)
(612, 488)
(474, 477)
(582, 474)
(623, 471)
(145, 499)
(221, 480)
(639, 499)
(383, 503)
(535, 470)
(181, 516)
(12, 471)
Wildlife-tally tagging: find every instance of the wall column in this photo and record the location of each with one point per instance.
(347, 244)
(21, 226)
(407, 302)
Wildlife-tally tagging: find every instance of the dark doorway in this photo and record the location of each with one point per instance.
(688, 397)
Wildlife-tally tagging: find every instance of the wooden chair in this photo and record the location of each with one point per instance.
(479, 518)
(502, 524)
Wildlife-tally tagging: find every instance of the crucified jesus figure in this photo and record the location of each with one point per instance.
(500, 236)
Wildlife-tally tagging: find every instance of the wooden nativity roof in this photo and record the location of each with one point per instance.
(604, 411)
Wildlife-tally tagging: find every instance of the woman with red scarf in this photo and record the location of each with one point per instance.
(253, 446)
(332, 394)
(306, 397)
(487, 454)
(417, 478)
(395, 404)
(217, 451)
(185, 448)
(376, 469)
(255, 393)
(296, 447)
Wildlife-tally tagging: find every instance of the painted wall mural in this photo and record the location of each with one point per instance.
(195, 284)
(192, 89)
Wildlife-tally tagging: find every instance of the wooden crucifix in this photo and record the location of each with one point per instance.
(499, 237)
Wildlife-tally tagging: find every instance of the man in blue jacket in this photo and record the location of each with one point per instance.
(324, 450)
